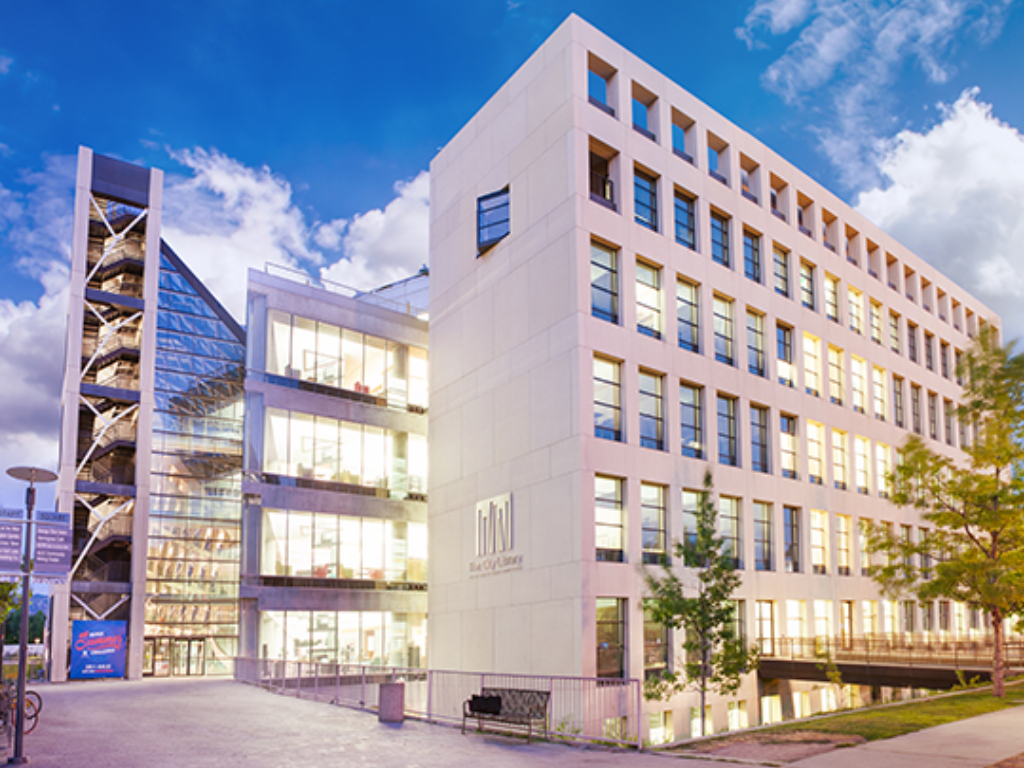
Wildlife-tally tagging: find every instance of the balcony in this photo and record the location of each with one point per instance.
(682, 153)
(718, 177)
(602, 106)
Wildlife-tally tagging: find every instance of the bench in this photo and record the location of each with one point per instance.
(509, 706)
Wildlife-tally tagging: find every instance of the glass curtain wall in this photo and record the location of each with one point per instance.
(320, 448)
(375, 638)
(327, 546)
(308, 350)
(195, 507)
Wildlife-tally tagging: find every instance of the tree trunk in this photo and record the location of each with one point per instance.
(998, 672)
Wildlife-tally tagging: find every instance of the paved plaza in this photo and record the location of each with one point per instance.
(220, 724)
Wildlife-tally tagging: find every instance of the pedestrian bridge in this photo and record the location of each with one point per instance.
(898, 661)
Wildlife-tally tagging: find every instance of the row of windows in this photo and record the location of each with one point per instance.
(779, 626)
(755, 185)
(693, 429)
(828, 537)
(605, 296)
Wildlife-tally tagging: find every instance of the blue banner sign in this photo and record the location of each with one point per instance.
(97, 649)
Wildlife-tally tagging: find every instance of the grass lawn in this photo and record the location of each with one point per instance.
(885, 722)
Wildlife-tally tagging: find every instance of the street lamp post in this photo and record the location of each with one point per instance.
(31, 475)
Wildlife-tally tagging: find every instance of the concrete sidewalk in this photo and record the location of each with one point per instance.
(973, 743)
(211, 723)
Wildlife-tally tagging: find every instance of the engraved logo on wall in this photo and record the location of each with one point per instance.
(495, 538)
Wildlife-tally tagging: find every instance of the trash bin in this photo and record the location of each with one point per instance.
(392, 702)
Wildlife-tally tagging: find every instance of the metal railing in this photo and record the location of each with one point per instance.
(370, 297)
(903, 650)
(584, 709)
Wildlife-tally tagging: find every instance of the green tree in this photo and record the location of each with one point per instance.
(974, 553)
(705, 611)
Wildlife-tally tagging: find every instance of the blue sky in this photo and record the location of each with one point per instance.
(301, 132)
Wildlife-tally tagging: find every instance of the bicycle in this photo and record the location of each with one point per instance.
(8, 704)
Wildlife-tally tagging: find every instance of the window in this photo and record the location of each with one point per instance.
(787, 445)
(843, 545)
(878, 375)
(832, 298)
(691, 420)
(791, 538)
(865, 570)
(839, 465)
(819, 541)
(645, 196)
(784, 354)
(608, 520)
(781, 272)
(492, 218)
(858, 381)
(607, 403)
(907, 615)
(766, 636)
(611, 637)
(933, 416)
(929, 351)
(648, 300)
(882, 469)
(720, 239)
(855, 305)
(604, 283)
(655, 648)
(652, 509)
(915, 407)
(763, 536)
(897, 401)
(690, 501)
(894, 332)
(876, 322)
(759, 450)
(835, 375)
(861, 450)
(723, 330)
(944, 359)
(652, 429)
(736, 715)
(947, 414)
(807, 285)
(944, 622)
(912, 342)
(727, 453)
(729, 529)
(962, 426)
(815, 438)
(686, 222)
(602, 188)
(755, 344)
(752, 255)
(688, 314)
(812, 365)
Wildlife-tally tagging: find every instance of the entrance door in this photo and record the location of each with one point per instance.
(156, 658)
(189, 657)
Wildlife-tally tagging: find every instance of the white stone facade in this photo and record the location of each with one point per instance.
(513, 339)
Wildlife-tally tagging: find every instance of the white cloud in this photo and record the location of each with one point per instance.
(35, 228)
(5, 64)
(955, 195)
(381, 246)
(858, 48)
(777, 16)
